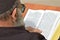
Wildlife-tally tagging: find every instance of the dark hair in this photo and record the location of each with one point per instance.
(6, 5)
(4, 14)
(16, 4)
(19, 21)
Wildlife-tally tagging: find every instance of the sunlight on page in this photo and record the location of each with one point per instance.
(32, 17)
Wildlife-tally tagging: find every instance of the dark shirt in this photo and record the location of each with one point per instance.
(18, 33)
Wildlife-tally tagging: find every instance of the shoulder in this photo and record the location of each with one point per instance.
(30, 36)
(37, 36)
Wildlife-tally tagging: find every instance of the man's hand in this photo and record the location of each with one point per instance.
(30, 29)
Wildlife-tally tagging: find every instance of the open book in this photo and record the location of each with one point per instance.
(44, 20)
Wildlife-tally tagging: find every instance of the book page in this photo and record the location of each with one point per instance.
(56, 33)
(45, 20)
(48, 20)
(32, 17)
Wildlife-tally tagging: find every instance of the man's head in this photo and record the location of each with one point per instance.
(10, 10)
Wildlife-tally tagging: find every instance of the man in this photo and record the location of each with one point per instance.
(11, 22)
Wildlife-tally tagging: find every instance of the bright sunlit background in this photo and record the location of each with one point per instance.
(46, 2)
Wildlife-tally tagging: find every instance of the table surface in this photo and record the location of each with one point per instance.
(39, 6)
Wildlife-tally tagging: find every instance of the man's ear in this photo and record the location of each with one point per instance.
(13, 14)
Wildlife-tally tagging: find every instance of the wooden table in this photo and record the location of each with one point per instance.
(39, 6)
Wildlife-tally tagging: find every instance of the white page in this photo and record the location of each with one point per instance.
(44, 20)
(55, 26)
(32, 17)
(49, 20)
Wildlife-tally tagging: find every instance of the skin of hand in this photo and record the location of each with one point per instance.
(30, 29)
